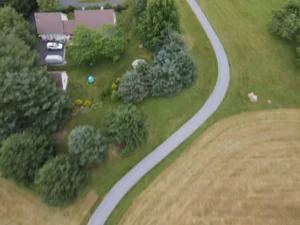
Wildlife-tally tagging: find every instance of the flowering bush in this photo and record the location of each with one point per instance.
(87, 103)
(114, 86)
(118, 80)
(78, 102)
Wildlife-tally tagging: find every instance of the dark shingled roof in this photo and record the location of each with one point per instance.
(49, 23)
(52, 23)
(94, 18)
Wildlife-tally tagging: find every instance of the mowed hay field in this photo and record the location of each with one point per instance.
(244, 170)
(21, 207)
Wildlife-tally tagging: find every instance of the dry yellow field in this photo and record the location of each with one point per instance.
(21, 207)
(244, 170)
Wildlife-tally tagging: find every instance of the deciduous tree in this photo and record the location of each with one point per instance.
(25, 7)
(48, 5)
(12, 22)
(31, 100)
(127, 126)
(86, 143)
(60, 180)
(159, 15)
(23, 154)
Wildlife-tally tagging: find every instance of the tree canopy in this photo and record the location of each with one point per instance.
(31, 100)
(127, 127)
(90, 45)
(86, 143)
(12, 22)
(22, 155)
(25, 7)
(135, 85)
(60, 180)
(286, 23)
(15, 55)
(159, 15)
(48, 5)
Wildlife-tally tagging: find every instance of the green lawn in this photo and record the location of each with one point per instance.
(259, 62)
(164, 115)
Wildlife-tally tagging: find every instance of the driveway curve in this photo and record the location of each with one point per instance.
(120, 189)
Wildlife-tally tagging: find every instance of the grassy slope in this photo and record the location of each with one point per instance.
(259, 62)
(164, 115)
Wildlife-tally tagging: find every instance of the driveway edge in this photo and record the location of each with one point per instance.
(120, 189)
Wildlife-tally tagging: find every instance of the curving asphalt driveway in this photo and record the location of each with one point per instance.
(66, 3)
(119, 190)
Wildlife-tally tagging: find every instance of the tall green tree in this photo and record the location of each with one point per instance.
(15, 55)
(31, 100)
(23, 154)
(112, 41)
(60, 180)
(135, 85)
(139, 7)
(48, 5)
(159, 15)
(86, 143)
(25, 7)
(127, 127)
(84, 49)
(12, 22)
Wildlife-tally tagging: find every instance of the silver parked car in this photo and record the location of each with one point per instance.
(53, 59)
(54, 46)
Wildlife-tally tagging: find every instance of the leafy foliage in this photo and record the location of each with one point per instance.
(48, 5)
(90, 45)
(139, 7)
(114, 95)
(25, 7)
(60, 180)
(23, 154)
(134, 85)
(15, 55)
(92, 7)
(127, 127)
(88, 144)
(107, 6)
(112, 42)
(30, 100)
(159, 15)
(84, 48)
(286, 23)
(12, 22)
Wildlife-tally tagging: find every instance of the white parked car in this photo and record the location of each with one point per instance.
(54, 46)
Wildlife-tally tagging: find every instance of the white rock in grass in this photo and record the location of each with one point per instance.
(136, 62)
(252, 97)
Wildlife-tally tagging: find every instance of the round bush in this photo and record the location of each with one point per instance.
(23, 154)
(88, 144)
(60, 180)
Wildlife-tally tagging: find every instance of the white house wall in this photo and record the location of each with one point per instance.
(64, 78)
(55, 37)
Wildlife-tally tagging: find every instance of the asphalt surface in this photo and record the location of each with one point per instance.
(43, 51)
(120, 189)
(66, 3)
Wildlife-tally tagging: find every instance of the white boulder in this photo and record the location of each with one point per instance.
(136, 62)
(252, 97)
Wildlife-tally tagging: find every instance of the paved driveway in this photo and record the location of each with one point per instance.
(43, 51)
(120, 189)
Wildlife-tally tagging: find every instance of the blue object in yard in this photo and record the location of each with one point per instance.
(91, 79)
(70, 43)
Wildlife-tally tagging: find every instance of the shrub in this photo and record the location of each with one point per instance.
(139, 7)
(92, 7)
(78, 102)
(114, 95)
(86, 143)
(123, 5)
(68, 9)
(114, 7)
(127, 127)
(118, 8)
(23, 154)
(118, 80)
(87, 103)
(107, 6)
(60, 180)
(114, 86)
